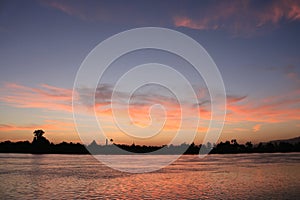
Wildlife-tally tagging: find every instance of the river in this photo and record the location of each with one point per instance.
(230, 176)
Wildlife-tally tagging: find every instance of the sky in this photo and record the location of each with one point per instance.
(255, 45)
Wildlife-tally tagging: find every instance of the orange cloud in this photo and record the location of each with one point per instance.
(49, 125)
(234, 99)
(240, 109)
(46, 97)
(281, 108)
(56, 131)
(256, 127)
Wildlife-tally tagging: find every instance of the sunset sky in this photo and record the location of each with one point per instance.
(255, 44)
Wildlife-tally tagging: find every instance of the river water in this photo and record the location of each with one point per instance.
(239, 176)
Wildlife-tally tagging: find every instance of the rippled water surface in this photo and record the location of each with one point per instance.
(245, 176)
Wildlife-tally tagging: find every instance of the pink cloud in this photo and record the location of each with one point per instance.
(183, 21)
(239, 17)
(235, 99)
(256, 127)
(45, 97)
(65, 7)
(103, 11)
(294, 12)
(273, 109)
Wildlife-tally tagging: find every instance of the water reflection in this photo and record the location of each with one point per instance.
(255, 176)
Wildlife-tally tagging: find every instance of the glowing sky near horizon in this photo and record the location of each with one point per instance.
(255, 45)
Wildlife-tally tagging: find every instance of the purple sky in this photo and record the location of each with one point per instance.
(255, 45)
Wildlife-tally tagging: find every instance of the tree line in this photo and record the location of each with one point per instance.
(41, 145)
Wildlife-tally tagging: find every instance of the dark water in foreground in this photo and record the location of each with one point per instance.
(245, 176)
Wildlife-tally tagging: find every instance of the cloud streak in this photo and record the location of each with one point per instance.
(49, 125)
(240, 109)
(239, 17)
(45, 97)
(272, 109)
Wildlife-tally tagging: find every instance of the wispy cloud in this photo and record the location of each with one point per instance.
(184, 21)
(273, 109)
(113, 12)
(64, 7)
(234, 98)
(242, 18)
(44, 97)
(239, 17)
(49, 125)
(292, 74)
(289, 72)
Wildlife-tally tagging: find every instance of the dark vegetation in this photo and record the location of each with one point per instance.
(41, 145)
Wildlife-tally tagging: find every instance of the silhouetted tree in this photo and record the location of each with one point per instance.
(40, 143)
(269, 147)
(286, 147)
(249, 145)
(38, 133)
(234, 142)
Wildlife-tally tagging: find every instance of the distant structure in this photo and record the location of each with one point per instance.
(93, 144)
(106, 141)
